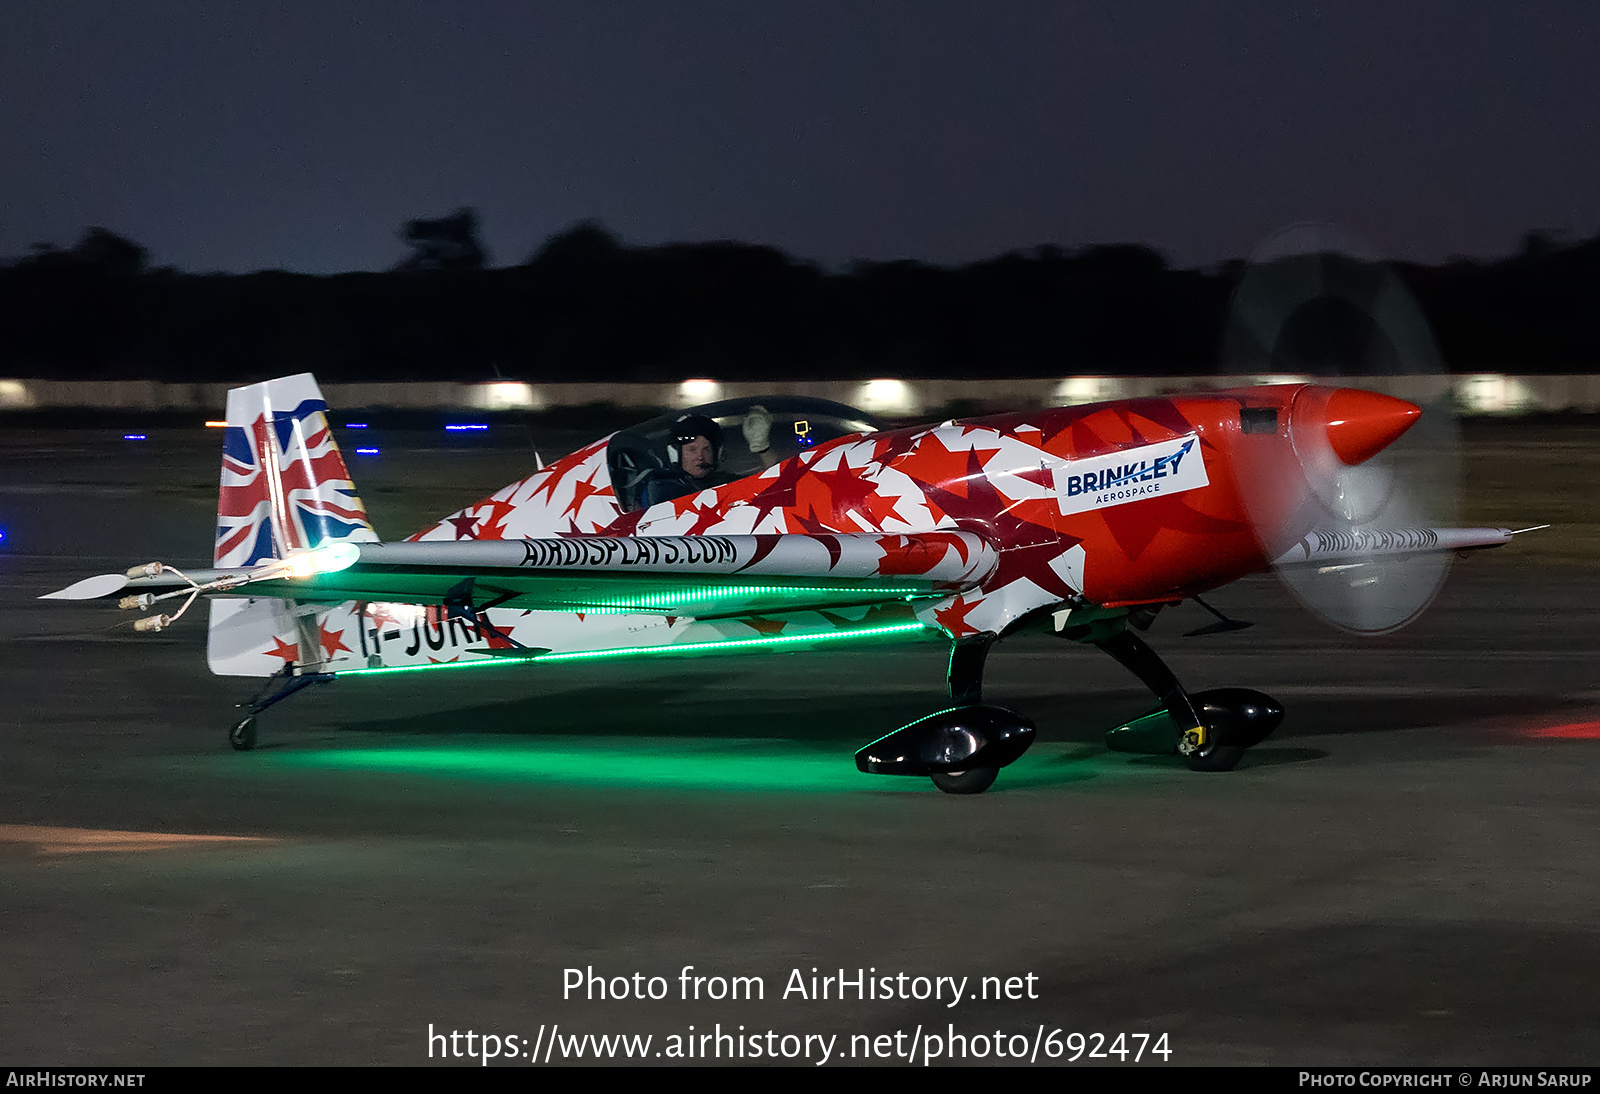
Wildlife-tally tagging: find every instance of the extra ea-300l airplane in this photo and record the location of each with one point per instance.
(787, 523)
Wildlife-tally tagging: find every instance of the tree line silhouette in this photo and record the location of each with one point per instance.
(586, 307)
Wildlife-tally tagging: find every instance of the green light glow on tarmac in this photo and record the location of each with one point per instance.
(677, 764)
(758, 766)
(731, 645)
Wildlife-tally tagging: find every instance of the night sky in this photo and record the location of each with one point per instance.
(301, 136)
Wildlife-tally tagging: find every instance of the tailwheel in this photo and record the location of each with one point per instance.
(282, 684)
(243, 734)
(974, 780)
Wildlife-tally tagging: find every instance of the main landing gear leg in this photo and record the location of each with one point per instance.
(965, 675)
(1132, 654)
(1214, 727)
(1202, 753)
(242, 734)
(965, 680)
(963, 747)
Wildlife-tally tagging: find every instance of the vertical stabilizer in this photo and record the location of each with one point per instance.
(285, 486)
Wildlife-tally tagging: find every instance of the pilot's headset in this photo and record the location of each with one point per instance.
(686, 429)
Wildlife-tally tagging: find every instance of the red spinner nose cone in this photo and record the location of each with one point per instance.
(1363, 423)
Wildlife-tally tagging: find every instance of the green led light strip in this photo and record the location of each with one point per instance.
(643, 651)
(647, 601)
(689, 605)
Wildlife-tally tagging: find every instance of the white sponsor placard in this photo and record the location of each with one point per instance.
(1133, 474)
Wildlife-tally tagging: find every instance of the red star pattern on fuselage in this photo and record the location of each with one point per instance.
(286, 650)
(954, 618)
(1135, 527)
(779, 492)
(331, 641)
(903, 555)
(833, 495)
(1025, 546)
(980, 507)
(494, 527)
(583, 490)
(1039, 475)
(558, 471)
(882, 508)
(996, 477)
(705, 517)
(933, 464)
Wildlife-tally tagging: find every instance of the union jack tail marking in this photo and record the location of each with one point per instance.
(285, 486)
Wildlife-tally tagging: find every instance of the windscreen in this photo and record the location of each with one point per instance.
(788, 424)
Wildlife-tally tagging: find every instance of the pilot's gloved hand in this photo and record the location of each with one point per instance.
(757, 429)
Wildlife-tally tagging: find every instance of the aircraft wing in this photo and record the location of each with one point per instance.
(1329, 547)
(698, 576)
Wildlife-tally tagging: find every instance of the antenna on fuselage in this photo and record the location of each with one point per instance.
(522, 418)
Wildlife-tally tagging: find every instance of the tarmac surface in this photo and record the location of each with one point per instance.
(1406, 873)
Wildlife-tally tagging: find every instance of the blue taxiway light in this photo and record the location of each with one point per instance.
(366, 451)
(460, 428)
(355, 425)
(134, 437)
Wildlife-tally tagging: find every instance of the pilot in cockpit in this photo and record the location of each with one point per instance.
(696, 452)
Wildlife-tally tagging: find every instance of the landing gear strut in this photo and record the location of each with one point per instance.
(1213, 728)
(964, 678)
(242, 734)
(1132, 654)
(962, 748)
(965, 674)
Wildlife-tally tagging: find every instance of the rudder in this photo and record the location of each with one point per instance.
(284, 488)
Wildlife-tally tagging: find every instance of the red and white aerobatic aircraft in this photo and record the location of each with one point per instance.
(1083, 520)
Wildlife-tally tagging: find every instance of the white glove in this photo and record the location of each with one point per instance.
(757, 429)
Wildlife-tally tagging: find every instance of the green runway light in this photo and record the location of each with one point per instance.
(726, 646)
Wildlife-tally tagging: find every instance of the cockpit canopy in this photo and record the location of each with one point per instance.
(798, 424)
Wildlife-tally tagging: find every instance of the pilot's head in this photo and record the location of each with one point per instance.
(699, 443)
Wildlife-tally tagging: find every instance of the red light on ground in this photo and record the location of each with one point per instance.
(1572, 731)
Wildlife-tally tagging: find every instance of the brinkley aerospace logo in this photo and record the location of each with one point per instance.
(1133, 474)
